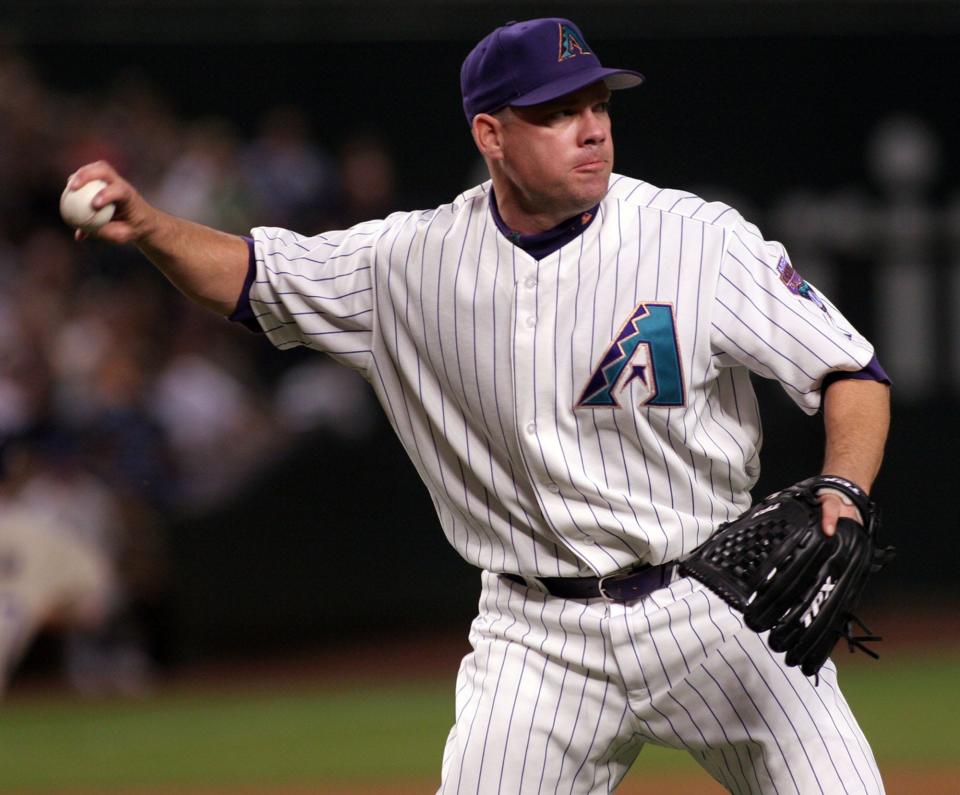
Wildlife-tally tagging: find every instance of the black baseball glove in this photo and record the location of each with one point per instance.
(776, 565)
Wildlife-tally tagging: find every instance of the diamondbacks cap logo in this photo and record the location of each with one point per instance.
(571, 44)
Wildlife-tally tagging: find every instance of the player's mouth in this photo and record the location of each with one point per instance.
(591, 166)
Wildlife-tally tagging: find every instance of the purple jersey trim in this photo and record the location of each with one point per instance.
(872, 372)
(243, 313)
(544, 244)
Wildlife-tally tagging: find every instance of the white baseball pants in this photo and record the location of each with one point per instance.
(560, 696)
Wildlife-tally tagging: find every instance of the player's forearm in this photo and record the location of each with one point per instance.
(856, 419)
(206, 265)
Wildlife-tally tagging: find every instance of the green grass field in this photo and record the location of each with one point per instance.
(308, 734)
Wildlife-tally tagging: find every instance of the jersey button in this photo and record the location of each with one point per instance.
(531, 427)
(530, 282)
(531, 321)
(553, 487)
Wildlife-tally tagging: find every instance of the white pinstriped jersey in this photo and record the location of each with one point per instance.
(574, 415)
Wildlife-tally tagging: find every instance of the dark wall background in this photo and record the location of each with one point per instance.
(749, 100)
(755, 115)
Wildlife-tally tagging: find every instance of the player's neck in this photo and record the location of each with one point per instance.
(542, 244)
(528, 223)
(520, 218)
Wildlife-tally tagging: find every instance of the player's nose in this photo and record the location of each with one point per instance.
(593, 129)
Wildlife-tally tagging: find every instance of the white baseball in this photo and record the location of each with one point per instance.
(77, 211)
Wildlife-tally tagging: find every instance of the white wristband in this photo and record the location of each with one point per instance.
(844, 498)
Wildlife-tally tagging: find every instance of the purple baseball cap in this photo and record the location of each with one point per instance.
(526, 63)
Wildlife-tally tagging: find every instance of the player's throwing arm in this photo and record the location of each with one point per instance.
(205, 264)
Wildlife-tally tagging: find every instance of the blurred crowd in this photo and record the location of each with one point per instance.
(122, 407)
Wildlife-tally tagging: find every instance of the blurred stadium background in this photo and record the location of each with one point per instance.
(254, 504)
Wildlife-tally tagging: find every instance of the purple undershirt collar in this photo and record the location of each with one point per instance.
(543, 244)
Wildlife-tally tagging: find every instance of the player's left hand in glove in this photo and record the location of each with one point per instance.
(776, 565)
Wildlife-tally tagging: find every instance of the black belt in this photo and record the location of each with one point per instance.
(624, 586)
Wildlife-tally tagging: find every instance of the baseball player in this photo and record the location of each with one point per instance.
(565, 353)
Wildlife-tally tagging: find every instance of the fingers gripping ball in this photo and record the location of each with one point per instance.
(77, 210)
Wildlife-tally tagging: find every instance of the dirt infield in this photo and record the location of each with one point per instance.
(897, 782)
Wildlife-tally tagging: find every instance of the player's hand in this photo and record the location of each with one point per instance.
(133, 217)
(833, 508)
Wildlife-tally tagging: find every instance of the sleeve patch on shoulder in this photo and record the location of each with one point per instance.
(796, 285)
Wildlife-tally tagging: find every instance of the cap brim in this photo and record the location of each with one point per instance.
(615, 80)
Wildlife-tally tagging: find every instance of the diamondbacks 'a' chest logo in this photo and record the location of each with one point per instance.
(645, 351)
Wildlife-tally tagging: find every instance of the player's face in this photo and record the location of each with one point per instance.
(557, 156)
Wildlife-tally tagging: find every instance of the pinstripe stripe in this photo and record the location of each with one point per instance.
(527, 744)
(679, 306)
(312, 279)
(511, 723)
(712, 704)
(718, 771)
(770, 730)
(863, 760)
(789, 720)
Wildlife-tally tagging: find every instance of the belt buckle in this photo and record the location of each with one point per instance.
(617, 576)
(629, 574)
(601, 586)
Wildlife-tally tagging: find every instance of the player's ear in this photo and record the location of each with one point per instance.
(488, 135)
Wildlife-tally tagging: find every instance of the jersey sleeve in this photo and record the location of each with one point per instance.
(316, 291)
(768, 319)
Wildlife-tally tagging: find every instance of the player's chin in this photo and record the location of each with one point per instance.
(591, 185)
